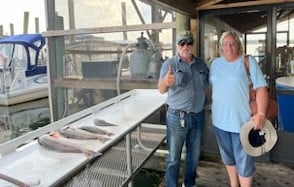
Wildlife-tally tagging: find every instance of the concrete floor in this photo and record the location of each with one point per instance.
(211, 173)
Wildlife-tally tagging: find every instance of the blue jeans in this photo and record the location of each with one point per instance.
(191, 133)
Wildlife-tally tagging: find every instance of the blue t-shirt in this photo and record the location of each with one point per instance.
(230, 92)
(189, 93)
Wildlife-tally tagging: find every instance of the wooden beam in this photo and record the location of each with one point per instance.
(207, 3)
(140, 27)
(242, 4)
(140, 16)
(167, 5)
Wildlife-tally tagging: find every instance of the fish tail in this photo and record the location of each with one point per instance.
(92, 154)
(13, 180)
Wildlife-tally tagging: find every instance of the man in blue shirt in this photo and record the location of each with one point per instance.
(185, 79)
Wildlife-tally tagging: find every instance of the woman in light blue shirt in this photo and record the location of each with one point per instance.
(230, 106)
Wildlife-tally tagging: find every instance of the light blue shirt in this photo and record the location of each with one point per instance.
(230, 92)
(189, 92)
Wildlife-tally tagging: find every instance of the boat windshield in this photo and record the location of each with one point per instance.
(14, 56)
(6, 51)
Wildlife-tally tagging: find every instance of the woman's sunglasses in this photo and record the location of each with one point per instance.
(184, 42)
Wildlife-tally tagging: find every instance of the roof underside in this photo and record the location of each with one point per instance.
(191, 8)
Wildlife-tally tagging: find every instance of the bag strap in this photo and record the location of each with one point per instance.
(251, 90)
(246, 63)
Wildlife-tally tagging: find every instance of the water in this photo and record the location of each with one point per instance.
(19, 119)
(148, 178)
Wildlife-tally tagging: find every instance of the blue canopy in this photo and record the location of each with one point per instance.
(28, 41)
(35, 41)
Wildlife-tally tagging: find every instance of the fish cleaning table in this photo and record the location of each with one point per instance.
(26, 160)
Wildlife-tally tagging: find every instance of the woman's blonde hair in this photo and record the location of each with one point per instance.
(236, 39)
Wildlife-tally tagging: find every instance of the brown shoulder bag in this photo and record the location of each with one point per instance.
(272, 108)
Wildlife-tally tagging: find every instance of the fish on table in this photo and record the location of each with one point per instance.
(76, 133)
(101, 122)
(56, 142)
(13, 180)
(95, 129)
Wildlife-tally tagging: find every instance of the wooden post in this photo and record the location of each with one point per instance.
(182, 22)
(37, 25)
(195, 31)
(1, 30)
(71, 14)
(155, 19)
(124, 19)
(59, 47)
(11, 29)
(25, 22)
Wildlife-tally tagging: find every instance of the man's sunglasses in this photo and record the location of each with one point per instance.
(184, 42)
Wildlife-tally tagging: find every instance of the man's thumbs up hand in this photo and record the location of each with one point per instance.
(170, 70)
(170, 78)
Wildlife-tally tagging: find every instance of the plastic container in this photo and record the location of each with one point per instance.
(99, 69)
(285, 100)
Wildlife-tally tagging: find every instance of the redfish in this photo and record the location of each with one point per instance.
(95, 129)
(101, 122)
(56, 142)
(75, 133)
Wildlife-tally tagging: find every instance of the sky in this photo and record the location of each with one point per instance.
(88, 14)
(12, 12)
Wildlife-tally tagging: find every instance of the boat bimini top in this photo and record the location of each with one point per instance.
(24, 51)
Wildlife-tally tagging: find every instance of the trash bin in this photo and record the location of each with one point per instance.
(285, 100)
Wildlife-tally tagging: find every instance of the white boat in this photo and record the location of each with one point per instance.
(23, 72)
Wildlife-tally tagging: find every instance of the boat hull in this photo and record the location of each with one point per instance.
(36, 88)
